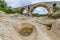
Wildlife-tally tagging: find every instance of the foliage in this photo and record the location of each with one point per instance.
(3, 7)
(56, 9)
(19, 11)
(2, 4)
(7, 10)
(38, 15)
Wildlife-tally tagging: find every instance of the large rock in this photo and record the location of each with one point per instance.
(7, 32)
(56, 27)
(2, 13)
(11, 25)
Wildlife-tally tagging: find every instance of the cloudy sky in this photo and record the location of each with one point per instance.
(20, 3)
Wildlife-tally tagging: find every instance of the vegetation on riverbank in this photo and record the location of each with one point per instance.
(5, 8)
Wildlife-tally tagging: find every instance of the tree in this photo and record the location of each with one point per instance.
(5, 8)
(3, 4)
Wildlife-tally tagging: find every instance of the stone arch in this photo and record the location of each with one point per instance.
(39, 5)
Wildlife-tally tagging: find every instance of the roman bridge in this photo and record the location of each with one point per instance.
(47, 5)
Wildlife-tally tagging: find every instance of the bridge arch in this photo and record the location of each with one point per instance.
(39, 5)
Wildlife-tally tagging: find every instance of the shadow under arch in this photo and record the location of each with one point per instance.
(39, 5)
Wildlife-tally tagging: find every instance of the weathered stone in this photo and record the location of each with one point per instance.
(10, 26)
(56, 27)
(2, 14)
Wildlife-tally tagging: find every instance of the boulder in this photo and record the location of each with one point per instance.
(56, 27)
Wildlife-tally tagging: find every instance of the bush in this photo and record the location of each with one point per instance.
(3, 7)
(38, 15)
(55, 9)
(19, 11)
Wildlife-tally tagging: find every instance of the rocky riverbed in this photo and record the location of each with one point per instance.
(20, 27)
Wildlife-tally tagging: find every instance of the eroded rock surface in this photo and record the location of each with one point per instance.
(56, 27)
(10, 26)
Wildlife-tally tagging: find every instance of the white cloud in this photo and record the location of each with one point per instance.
(40, 10)
(13, 3)
(18, 3)
(25, 2)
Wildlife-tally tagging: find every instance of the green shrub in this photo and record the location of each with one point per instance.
(55, 9)
(36, 15)
(19, 11)
(3, 7)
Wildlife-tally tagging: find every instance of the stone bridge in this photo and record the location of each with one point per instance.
(47, 5)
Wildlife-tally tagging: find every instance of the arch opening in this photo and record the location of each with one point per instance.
(40, 11)
(39, 5)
